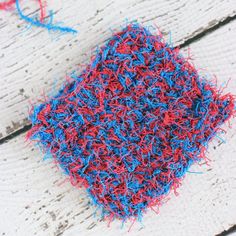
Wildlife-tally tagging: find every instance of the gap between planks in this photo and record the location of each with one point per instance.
(186, 43)
(36, 70)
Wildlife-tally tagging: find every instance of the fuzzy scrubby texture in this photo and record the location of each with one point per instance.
(132, 123)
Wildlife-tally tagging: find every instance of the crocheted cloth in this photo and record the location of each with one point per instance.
(132, 123)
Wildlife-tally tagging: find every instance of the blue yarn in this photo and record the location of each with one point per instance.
(48, 26)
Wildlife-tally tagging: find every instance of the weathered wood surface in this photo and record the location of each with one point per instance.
(33, 61)
(35, 199)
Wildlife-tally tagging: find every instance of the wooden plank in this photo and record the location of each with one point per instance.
(35, 199)
(34, 62)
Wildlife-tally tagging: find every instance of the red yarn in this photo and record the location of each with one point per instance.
(42, 5)
(6, 5)
(42, 10)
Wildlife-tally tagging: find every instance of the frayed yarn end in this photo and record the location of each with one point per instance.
(50, 26)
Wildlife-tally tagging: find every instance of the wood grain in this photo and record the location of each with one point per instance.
(36, 200)
(34, 62)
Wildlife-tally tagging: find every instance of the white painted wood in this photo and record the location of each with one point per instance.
(36, 200)
(33, 61)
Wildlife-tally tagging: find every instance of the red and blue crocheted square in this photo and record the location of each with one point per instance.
(131, 124)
